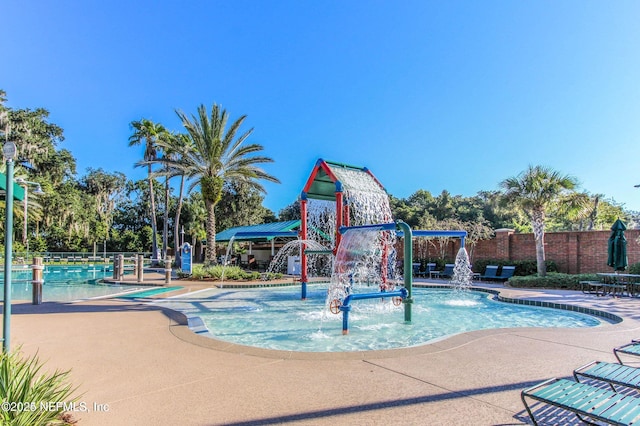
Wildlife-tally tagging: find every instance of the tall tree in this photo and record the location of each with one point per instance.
(240, 205)
(148, 133)
(180, 146)
(175, 147)
(219, 155)
(537, 191)
(290, 212)
(58, 167)
(195, 218)
(132, 215)
(4, 116)
(107, 189)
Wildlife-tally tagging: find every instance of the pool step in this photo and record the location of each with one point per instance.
(149, 293)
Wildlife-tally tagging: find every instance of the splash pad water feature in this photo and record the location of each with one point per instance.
(361, 207)
(296, 248)
(349, 268)
(341, 203)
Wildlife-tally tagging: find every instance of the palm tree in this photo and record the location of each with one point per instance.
(175, 147)
(196, 216)
(218, 156)
(149, 133)
(537, 191)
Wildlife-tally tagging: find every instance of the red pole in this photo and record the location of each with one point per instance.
(303, 236)
(385, 260)
(339, 217)
(346, 219)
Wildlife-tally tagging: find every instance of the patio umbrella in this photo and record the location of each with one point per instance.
(617, 247)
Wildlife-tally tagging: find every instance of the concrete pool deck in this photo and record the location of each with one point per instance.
(138, 364)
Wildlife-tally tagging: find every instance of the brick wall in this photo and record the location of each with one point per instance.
(574, 252)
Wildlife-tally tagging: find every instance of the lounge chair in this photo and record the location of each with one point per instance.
(610, 373)
(416, 269)
(448, 271)
(584, 401)
(632, 348)
(506, 273)
(490, 273)
(429, 267)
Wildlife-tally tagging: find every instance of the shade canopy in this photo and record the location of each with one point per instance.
(18, 191)
(617, 247)
(260, 233)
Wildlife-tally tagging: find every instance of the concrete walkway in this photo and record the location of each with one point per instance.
(138, 364)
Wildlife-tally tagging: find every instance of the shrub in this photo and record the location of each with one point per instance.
(271, 276)
(634, 268)
(22, 385)
(552, 280)
(217, 272)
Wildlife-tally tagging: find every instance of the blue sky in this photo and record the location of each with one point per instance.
(433, 95)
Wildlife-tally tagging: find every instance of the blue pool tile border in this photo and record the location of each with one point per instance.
(252, 285)
(539, 303)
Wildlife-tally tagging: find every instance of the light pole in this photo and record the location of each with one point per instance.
(37, 191)
(9, 152)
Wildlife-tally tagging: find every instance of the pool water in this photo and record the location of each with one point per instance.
(278, 319)
(64, 283)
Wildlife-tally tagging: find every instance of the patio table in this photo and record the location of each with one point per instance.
(617, 283)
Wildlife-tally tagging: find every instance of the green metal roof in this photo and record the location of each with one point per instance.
(322, 188)
(18, 191)
(323, 184)
(262, 232)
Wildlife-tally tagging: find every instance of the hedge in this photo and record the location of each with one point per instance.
(231, 273)
(634, 268)
(552, 280)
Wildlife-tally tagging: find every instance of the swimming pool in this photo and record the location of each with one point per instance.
(276, 318)
(64, 283)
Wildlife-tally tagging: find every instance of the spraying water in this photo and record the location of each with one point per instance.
(321, 230)
(366, 258)
(367, 203)
(227, 258)
(365, 261)
(367, 200)
(294, 248)
(462, 274)
(321, 222)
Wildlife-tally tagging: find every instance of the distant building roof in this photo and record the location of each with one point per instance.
(262, 232)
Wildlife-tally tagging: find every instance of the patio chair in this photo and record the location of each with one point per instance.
(584, 401)
(252, 264)
(610, 373)
(429, 267)
(632, 348)
(416, 269)
(506, 273)
(448, 271)
(490, 273)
